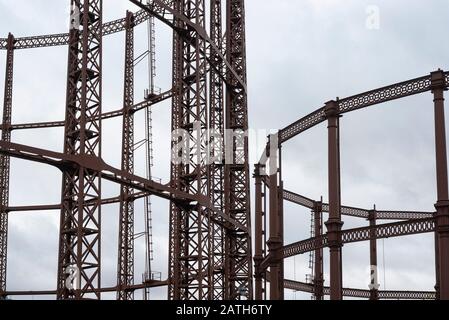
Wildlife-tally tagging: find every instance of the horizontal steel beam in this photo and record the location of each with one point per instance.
(361, 293)
(107, 115)
(381, 231)
(298, 199)
(69, 162)
(389, 230)
(62, 39)
(357, 212)
(150, 284)
(304, 246)
(402, 215)
(50, 207)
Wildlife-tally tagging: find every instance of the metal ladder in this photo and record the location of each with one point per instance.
(310, 276)
(148, 214)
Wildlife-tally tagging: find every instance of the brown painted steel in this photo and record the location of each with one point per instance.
(334, 223)
(189, 259)
(363, 100)
(5, 163)
(106, 115)
(318, 280)
(125, 265)
(217, 152)
(67, 162)
(357, 212)
(150, 284)
(237, 192)
(210, 229)
(105, 201)
(258, 234)
(62, 39)
(80, 229)
(364, 294)
(415, 221)
(374, 292)
(275, 240)
(442, 216)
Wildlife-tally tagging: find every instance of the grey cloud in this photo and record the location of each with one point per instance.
(305, 54)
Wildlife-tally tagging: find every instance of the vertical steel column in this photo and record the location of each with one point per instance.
(258, 233)
(237, 194)
(125, 274)
(190, 272)
(176, 169)
(264, 235)
(80, 230)
(279, 255)
(334, 223)
(216, 145)
(275, 240)
(5, 163)
(437, 263)
(318, 280)
(442, 205)
(373, 286)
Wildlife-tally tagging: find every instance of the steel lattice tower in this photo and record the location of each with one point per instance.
(208, 192)
(189, 111)
(80, 231)
(5, 163)
(239, 260)
(126, 226)
(217, 151)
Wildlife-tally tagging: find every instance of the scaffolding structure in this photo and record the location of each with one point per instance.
(210, 254)
(210, 242)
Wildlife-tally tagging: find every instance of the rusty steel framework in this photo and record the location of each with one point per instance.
(210, 254)
(210, 243)
(270, 194)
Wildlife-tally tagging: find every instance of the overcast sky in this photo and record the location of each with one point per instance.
(301, 53)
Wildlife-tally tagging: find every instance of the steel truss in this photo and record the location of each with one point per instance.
(62, 39)
(363, 294)
(126, 225)
(80, 230)
(210, 229)
(216, 152)
(5, 163)
(190, 225)
(413, 222)
(210, 252)
(237, 197)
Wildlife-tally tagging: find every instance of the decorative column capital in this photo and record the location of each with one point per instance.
(372, 215)
(334, 233)
(317, 207)
(257, 262)
(438, 80)
(275, 248)
(442, 217)
(332, 109)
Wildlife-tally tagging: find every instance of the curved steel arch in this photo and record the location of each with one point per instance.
(359, 101)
